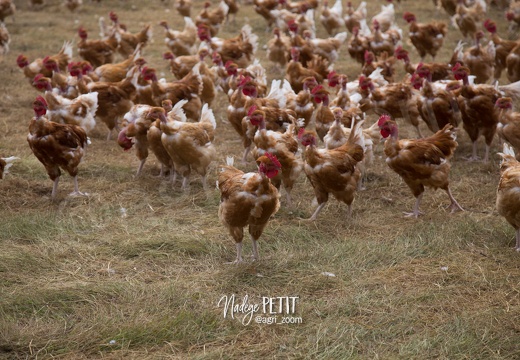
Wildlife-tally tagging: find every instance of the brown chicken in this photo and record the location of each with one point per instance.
(96, 52)
(248, 199)
(508, 128)
(188, 88)
(508, 197)
(438, 70)
(421, 162)
(353, 17)
(119, 71)
(56, 145)
(263, 8)
(502, 48)
(36, 67)
(5, 39)
(114, 99)
(333, 171)
(5, 164)
(181, 42)
(468, 19)
(427, 38)
(480, 60)
(7, 8)
(183, 7)
(331, 18)
(283, 145)
(278, 48)
(213, 18)
(129, 42)
(357, 46)
(296, 72)
(138, 122)
(189, 144)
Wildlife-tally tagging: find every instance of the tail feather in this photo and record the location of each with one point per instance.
(67, 49)
(208, 116)
(342, 36)
(512, 90)
(177, 112)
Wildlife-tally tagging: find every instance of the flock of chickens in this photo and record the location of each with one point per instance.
(310, 121)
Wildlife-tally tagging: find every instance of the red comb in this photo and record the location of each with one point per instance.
(274, 160)
(316, 89)
(383, 119)
(300, 133)
(40, 99)
(456, 67)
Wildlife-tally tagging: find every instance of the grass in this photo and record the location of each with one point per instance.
(136, 269)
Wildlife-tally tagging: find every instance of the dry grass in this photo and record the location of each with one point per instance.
(76, 274)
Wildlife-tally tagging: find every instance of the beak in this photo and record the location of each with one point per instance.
(162, 117)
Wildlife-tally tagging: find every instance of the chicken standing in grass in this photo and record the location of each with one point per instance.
(56, 145)
(248, 199)
(189, 144)
(508, 194)
(333, 171)
(420, 162)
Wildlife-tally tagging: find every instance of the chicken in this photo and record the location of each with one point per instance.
(502, 48)
(240, 49)
(385, 63)
(232, 10)
(5, 39)
(508, 128)
(384, 41)
(189, 144)
(96, 52)
(278, 48)
(56, 145)
(302, 102)
(5, 164)
(508, 198)
(188, 88)
(79, 111)
(357, 46)
(438, 70)
(7, 8)
(450, 6)
(283, 146)
(437, 106)
(181, 42)
(353, 17)
(30, 70)
(385, 18)
(180, 66)
(513, 16)
(299, 6)
(479, 115)
(263, 8)
(480, 60)
(468, 18)
(421, 162)
(326, 48)
(396, 99)
(333, 171)
(331, 18)
(427, 38)
(248, 199)
(128, 42)
(138, 123)
(114, 99)
(513, 64)
(296, 72)
(73, 5)
(183, 7)
(119, 71)
(323, 117)
(214, 18)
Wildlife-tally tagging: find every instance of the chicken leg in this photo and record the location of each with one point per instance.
(416, 211)
(454, 206)
(76, 191)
